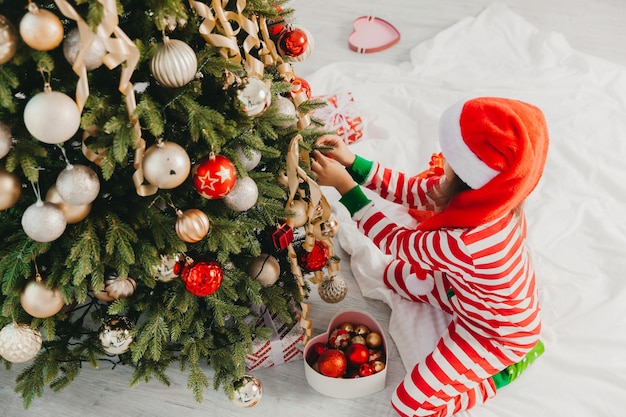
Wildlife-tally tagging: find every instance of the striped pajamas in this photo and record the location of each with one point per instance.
(482, 277)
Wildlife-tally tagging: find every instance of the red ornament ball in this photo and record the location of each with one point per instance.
(357, 354)
(300, 85)
(202, 278)
(332, 363)
(293, 43)
(214, 176)
(276, 25)
(315, 351)
(365, 369)
(314, 260)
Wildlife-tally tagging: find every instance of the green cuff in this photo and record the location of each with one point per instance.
(360, 169)
(354, 200)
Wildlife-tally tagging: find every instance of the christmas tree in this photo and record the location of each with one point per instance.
(153, 171)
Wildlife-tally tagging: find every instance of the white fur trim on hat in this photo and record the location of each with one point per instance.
(463, 161)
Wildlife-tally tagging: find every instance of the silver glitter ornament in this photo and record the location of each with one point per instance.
(248, 391)
(249, 159)
(285, 109)
(72, 47)
(243, 196)
(19, 343)
(78, 185)
(43, 221)
(333, 289)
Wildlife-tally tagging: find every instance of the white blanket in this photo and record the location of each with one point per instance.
(576, 216)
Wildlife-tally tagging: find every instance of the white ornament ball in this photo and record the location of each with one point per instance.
(249, 158)
(166, 165)
(174, 64)
(243, 196)
(78, 185)
(19, 343)
(6, 140)
(41, 29)
(265, 269)
(286, 109)
(43, 221)
(72, 46)
(39, 301)
(255, 96)
(248, 391)
(52, 117)
(115, 335)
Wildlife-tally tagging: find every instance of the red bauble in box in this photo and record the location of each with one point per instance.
(293, 42)
(332, 363)
(357, 354)
(314, 260)
(202, 278)
(214, 176)
(315, 351)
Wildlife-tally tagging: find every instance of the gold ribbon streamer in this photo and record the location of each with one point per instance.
(87, 38)
(121, 49)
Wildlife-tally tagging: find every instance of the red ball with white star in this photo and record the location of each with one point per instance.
(214, 176)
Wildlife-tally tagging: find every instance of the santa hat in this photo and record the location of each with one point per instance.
(498, 147)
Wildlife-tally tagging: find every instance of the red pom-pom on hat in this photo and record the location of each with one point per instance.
(497, 146)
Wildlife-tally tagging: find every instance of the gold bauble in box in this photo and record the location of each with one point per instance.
(166, 165)
(8, 40)
(174, 64)
(41, 29)
(52, 117)
(265, 269)
(10, 188)
(73, 214)
(19, 343)
(40, 301)
(192, 225)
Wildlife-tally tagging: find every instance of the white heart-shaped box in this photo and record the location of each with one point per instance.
(340, 387)
(372, 34)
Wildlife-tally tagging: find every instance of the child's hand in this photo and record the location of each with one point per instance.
(331, 173)
(340, 152)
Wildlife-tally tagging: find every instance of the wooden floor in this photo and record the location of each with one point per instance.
(594, 27)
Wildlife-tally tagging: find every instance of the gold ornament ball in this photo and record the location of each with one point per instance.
(72, 46)
(166, 165)
(333, 290)
(248, 391)
(41, 29)
(358, 339)
(78, 185)
(19, 343)
(192, 225)
(8, 40)
(118, 287)
(6, 139)
(73, 214)
(43, 221)
(174, 64)
(52, 117)
(373, 340)
(10, 188)
(265, 269)
(299, 208)
(347, 326)
(362, 329)
(40, 301)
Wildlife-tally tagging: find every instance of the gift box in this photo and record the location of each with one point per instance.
(342, 116)
(345, 387)
(286, 343)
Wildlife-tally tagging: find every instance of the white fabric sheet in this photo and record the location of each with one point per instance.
(576, 216)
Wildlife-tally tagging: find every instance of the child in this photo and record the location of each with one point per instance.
(469, 258)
